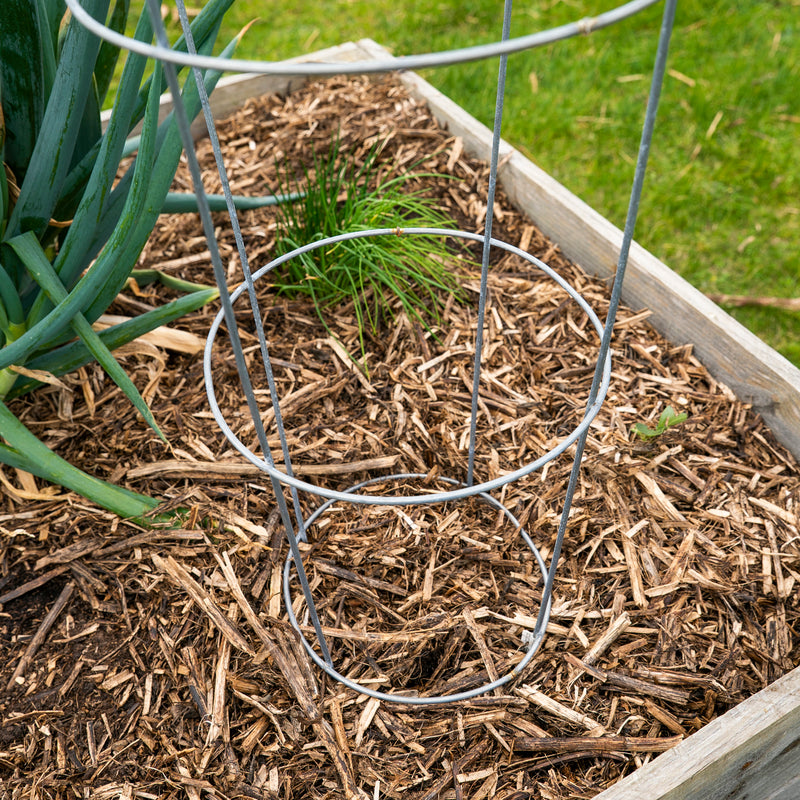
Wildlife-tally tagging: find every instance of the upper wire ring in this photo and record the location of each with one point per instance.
(266, 464)
(409, 62)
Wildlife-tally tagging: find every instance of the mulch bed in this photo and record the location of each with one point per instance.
(158, 662)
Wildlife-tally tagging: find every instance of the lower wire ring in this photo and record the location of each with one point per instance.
(533, 640)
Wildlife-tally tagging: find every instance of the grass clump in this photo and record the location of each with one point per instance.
(377, 274)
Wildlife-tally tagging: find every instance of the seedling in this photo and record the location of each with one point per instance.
(669, 419)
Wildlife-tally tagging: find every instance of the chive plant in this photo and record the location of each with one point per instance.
(374, 273)
(66, 205)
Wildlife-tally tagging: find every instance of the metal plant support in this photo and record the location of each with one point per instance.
(460, 488)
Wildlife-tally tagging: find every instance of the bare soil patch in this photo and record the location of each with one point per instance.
(167, 667)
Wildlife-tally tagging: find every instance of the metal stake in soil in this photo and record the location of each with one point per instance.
(458, 489)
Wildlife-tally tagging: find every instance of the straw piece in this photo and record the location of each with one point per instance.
(41, 634)
(547, 703)
(203, 601)
(591, 744)
(617, 627)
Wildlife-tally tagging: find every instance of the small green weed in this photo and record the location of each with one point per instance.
(669, 419)
(372, 272)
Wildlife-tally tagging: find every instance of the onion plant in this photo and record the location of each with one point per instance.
(74, 215)
(375, 273)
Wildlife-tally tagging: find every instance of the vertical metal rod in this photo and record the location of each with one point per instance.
(487, 235)
(616, 291)
(245, 262)
(219, 273)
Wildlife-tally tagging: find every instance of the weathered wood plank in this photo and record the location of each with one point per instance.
(233, 91)
(750, 753)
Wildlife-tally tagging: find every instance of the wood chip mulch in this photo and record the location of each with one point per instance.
(157, 662)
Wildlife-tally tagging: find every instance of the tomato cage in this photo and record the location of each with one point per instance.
(406, 489)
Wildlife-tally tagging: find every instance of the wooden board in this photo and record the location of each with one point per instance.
(232, 91)
(750, 753)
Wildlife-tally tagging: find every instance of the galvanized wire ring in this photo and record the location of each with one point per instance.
(411, 62)
(533, 641)
(266, 463)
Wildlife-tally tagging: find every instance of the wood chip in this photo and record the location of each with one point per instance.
(614, 631)
(592, 744)
(546, 703)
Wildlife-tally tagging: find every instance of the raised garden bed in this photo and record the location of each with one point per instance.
(677, 599)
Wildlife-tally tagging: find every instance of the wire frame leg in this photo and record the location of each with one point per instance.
(616, 291)
(230, 318)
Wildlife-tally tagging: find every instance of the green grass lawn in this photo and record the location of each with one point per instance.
(721, 203)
